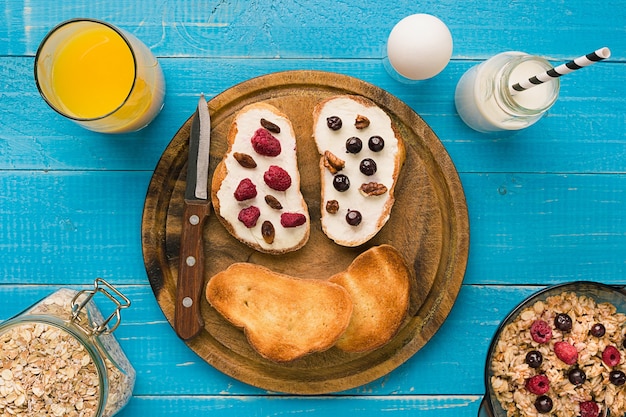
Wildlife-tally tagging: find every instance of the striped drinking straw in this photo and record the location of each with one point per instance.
(578, 63)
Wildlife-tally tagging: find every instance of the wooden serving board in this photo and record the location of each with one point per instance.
(428, 225)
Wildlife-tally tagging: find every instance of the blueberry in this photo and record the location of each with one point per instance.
(617, 378)
(376, 144)
(354, 145)
(341, 182)
(368, 166)
(334, 123)
(534, 358)
(543, 404)
(563, 322)
(598, 330)
(353, 217)
(577, 376)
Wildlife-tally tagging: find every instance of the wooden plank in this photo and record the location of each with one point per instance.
(167, 367)
(535, 228)
(570, 139)
(71, 226)
(294, 29)
(414, 405)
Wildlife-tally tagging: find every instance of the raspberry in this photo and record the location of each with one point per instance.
(249, 216)
(589, 409)
(541, 331)
(277, 178)
(245, 190)
(292, 219)
(538, 384)
(611, 356)
(566, 352)
(265, 143)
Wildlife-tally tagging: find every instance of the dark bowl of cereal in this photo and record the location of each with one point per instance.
(560, 353)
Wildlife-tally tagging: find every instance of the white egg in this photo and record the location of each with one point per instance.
(419, 46)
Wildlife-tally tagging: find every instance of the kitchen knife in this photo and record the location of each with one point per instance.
(188, 320)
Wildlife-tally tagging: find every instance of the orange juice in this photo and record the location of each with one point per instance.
(93, 72)
(99, 76)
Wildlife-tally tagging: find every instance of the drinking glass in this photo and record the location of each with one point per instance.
(99, 76)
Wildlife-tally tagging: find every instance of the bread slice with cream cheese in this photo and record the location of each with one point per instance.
(361, 157)
(256, 187)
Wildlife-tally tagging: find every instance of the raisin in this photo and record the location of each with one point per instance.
(245, 160)
(270, 126)
(273, 202)
(267, 230)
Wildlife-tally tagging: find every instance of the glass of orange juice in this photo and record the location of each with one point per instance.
(99, 76)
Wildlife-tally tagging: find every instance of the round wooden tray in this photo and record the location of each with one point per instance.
(428, 225)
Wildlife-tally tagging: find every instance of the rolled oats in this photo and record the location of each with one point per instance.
(511, 372)
(49, 367)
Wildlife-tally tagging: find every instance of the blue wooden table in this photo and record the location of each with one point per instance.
(546, 205)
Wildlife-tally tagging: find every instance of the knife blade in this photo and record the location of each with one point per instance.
(188, 320)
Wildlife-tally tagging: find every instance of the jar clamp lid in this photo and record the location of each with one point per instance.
(59, 357)
(100, 286)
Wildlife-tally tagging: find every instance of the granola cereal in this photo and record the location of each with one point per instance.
(562, 357)
(47, 371)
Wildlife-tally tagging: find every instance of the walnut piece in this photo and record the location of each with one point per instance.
(373, 188)
(361, 122)
(333, 162)
(332, 206)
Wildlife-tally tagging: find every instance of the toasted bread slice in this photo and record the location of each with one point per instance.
(256, 187)
(283, 317)
(361, 157)
(378, 281)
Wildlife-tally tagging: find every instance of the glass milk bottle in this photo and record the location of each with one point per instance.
(486, 103)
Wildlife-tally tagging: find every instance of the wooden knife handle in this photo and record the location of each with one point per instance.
(188, 320)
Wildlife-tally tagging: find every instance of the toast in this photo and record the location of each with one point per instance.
(378, 281)
(284, 318)
(361, 158)
(255, 189)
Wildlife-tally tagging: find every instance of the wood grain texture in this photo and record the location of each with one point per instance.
(546, 204)
(289, 29)
(429, 228)
(167, 367)
(583, 132)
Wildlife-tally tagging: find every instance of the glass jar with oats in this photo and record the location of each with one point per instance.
(60, 358)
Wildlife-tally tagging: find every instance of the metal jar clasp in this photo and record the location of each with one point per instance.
(119, 299)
